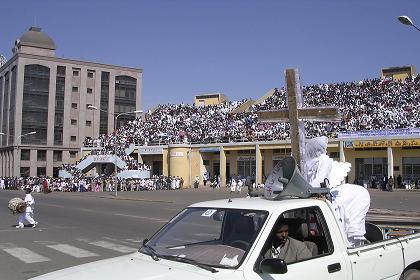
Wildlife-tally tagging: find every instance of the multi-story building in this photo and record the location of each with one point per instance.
(49, 105)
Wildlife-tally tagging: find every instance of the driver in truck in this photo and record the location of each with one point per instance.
(285, 247)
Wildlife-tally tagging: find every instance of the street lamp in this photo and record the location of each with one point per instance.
(26, 134)
(116, 116)
(407, 21)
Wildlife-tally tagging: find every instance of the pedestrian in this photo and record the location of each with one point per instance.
(29, 211)
(196, 182)
(399, 181)
(390, 184)
(239, 185)
(205, 178)
(233, 185)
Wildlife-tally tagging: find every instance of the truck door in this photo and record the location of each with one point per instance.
(308, 226)
(382, 260)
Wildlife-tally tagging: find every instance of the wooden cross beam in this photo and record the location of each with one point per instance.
(295, 114)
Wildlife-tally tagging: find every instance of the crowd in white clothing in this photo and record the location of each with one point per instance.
(364, 105)
(96, 184)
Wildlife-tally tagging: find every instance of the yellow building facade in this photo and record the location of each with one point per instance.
(372, 157)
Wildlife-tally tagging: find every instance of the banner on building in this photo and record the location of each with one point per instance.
(382, 132)
(381, 143)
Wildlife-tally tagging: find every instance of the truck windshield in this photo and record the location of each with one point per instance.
(213, 237)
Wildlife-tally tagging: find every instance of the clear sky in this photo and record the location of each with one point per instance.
(237, 47)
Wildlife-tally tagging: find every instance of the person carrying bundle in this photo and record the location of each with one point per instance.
(29, 211)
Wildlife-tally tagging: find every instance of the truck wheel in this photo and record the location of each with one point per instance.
(411, 274)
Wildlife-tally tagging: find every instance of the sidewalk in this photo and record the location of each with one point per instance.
(388, 212)
(190, 195)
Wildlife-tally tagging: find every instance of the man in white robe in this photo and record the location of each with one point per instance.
(350, 202)
(29, 211)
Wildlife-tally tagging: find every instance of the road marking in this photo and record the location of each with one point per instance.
(72, 251)
(25, 255)
(142, 217)
(134, 240)
(7, 245)
(113, 246)
(124, 241)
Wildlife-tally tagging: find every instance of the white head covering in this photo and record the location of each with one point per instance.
(315, 147)
(317, 163)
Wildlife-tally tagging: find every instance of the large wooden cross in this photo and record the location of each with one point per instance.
(296, 114)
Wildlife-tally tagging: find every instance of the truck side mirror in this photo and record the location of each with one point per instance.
(273, 266)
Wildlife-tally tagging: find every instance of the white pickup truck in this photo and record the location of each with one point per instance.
(235, 239)
(227, 239)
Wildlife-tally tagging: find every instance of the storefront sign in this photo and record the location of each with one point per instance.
(246, 158)
(177, 154)
(151, 151)
(103, 158)
(381, 143)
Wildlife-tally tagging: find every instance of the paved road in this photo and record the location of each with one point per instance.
(76, 228)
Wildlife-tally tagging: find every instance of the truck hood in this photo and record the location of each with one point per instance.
(132, 266)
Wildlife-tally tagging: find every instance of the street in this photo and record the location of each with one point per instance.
(76, 228)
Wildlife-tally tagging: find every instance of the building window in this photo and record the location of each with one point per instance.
(90, 74)
(334, 155)
(125, 98)
(75, 73)
(206, 162)
(12, 106)
(73, 138)
(88, 123)
(89, 90)
(57, 155)
(41, 155)
(73, 154)
(246, 167)
(73, 122)
(74, 89)
(411, 168)
(41, 171)
(59, 105)
(371, 169)
(74, 105)
(2, 139)
(36, 87)
(25, 155)
(24, 172)
(103, 116)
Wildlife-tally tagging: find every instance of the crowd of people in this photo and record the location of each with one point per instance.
(96, 184)
(389, 183)
(365, 105)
